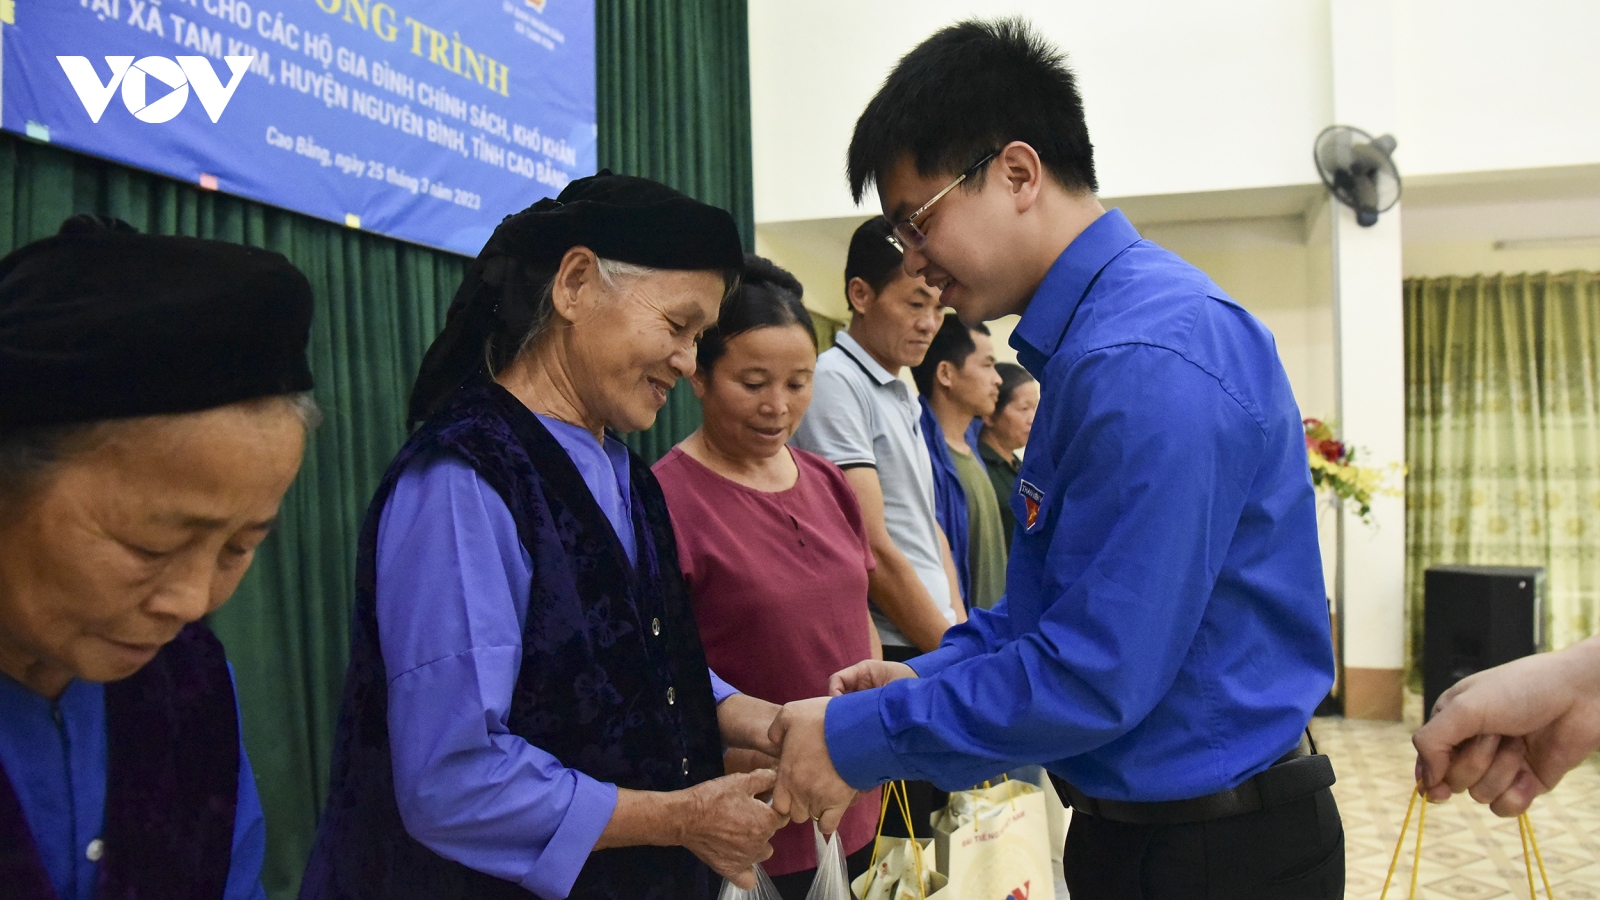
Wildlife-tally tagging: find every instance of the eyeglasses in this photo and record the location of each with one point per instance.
(905, 232)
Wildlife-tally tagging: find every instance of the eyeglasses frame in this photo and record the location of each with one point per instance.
(914, 235)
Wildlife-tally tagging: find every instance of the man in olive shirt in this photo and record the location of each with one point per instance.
(957, 379)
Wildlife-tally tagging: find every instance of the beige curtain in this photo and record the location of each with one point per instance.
(1503, 437)
(826, 327)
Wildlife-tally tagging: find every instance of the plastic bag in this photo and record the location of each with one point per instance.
(764, 889)
(832, 881)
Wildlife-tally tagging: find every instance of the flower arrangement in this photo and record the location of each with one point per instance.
(1334, 469)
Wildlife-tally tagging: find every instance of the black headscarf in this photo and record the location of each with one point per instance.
(101, 322)
(619, 217)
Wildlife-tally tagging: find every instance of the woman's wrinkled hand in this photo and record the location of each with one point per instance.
(728, 828)
(737, 761)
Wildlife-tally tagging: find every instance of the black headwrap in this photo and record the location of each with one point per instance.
(101, 322)
(619, 217)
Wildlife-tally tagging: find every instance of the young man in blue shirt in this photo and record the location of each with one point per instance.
(1164, 636)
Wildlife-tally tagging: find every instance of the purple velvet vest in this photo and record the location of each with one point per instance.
(172, 782)
(591, 691)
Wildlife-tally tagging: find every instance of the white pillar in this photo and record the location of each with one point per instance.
(1370, 360)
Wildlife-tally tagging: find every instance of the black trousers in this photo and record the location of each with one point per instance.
(1289, 852)
(925, 798)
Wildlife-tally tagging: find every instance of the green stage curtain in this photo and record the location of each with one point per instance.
(378, 305)
(674, 105)
(1503, 437)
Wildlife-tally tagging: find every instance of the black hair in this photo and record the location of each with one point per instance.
(767, 296)
(1012, 376)
(967, 91)
(953, 343)
(872, 258)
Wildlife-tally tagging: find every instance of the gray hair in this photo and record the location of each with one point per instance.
(28, 455)
(500, 351)
(305, 408)
(613, 274)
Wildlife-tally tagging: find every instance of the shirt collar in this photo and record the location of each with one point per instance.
(1056, 300)
(852, 348)
(990, 454)
(582, 448)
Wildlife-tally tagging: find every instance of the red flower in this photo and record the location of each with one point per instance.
(1332, 451)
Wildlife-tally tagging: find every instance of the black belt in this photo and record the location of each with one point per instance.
(1298, 774)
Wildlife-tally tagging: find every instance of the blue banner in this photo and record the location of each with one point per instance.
(426, 120)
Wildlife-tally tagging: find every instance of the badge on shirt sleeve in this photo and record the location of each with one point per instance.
(1032, 500)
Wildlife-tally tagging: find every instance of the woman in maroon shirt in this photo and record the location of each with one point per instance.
(770, 538)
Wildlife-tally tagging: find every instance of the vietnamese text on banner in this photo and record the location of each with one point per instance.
(426, 120)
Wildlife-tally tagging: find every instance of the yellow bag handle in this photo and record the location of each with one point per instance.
(1524, 830)
(1010, 798)
(903, 800)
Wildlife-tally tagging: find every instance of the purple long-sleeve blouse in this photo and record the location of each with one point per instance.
(453, 582)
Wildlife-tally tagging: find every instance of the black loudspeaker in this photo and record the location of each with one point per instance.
(1476, 618)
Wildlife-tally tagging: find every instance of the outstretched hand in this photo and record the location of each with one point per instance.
(808, 787)
(866, 675)
(1509, 734)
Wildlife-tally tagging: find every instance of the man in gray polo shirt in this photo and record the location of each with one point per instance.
(864, 418)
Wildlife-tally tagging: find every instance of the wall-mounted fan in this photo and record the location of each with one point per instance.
(1358, 169)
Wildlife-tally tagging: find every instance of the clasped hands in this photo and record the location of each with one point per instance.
(809, 787)
(733, 829)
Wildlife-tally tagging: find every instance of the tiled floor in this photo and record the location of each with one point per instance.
(1467, 852)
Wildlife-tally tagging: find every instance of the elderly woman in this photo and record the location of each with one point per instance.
(152, 415)
(528, 709)
(770, 538)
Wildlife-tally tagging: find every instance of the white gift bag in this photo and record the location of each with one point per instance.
(995, 842)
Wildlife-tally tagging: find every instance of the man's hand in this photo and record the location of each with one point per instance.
(808, 785)
(1508, 734)
(727, 827)
(866, 675)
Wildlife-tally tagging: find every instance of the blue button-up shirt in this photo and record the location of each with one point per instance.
(1164, 633)
(56, 756)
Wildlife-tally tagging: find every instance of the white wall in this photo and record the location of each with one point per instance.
(1436, 259)
(1499, 235)
(1496, 84)
(1184, 95)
